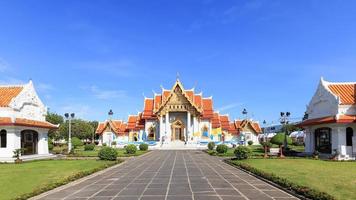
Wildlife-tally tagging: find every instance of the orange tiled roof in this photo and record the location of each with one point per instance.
(225, 122)
(6, 121)
(240, 124)
(131, 122)
(207, 108)
(215, 122)
(346, 92)
(148, 109)
(233, 129)
(198, 101)
(329, 120)
(117, 126)
(8, 93)
(190, 95)
(157, 101)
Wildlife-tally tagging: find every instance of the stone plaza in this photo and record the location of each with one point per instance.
(169, 175)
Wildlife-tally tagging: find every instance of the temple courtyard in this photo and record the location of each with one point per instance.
(176, 175)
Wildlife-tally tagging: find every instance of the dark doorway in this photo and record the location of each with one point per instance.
(29, 140)
(323, 140)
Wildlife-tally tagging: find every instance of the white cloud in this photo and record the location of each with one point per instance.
(11, 81)
(80, 111)
(229, 106)
(107, 94)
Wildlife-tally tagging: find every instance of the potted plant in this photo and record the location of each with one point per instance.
(316, 154)
(17, 154)
(335, 154)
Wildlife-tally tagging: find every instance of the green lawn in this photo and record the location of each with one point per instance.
(335, 178)
(38, 176)
(121, 153)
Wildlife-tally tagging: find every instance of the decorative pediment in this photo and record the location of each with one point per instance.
(177, 101)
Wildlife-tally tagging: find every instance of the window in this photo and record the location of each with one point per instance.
(349, 135)
(2, 139)
(323, 140)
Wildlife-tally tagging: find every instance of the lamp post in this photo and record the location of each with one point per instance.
(285, 120)
(265, 138)
(244, 113)
(69, 118)
(110, 113)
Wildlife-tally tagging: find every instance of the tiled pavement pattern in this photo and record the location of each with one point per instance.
(172, 175)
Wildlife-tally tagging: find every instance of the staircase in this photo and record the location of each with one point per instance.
(178, 145)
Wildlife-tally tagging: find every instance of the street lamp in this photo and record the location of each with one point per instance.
(69, 118)
(244, 112)
(265, 138)
(110, 113)
(285, 120)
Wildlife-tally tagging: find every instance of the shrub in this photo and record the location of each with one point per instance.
(242, 152)
(221, 148)
(107, 153)
(104, 145)
(211, 145)
(60, 149)
(143, 147)
(266, 144)
(50, 145)
(113, 143)
(76, 142)
(279, 139)
(89, 147)
(131, 149)
(250, 142)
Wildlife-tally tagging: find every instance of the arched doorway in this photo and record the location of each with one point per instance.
(29, 140)
(177, 131)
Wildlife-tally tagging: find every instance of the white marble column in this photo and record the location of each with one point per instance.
(167, 127)
(189, 126)
(161, 132)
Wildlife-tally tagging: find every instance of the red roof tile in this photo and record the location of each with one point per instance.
(117, 126)
(225, 122)
(346, 93)
(7, 94)
(148, 109)
(6, 121)
(198, 101)
(215, 122)
(207, 108)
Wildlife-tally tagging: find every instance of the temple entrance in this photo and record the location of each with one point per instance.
(177, 131)
(29, 140)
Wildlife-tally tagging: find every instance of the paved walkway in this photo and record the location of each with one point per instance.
(172, 175)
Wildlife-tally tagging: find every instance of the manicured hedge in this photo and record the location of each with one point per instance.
(89, 147)
(107, 153)
(131, 149)
(211, 145)
(221, 148)
(76, 142)
(242, 152)
(143, 147)
(299, 189)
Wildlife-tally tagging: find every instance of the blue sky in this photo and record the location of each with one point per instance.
(89, 56)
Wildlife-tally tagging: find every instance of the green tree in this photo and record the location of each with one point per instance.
(95, 125)
(54, 118)
(80, 129)
(279, 140)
